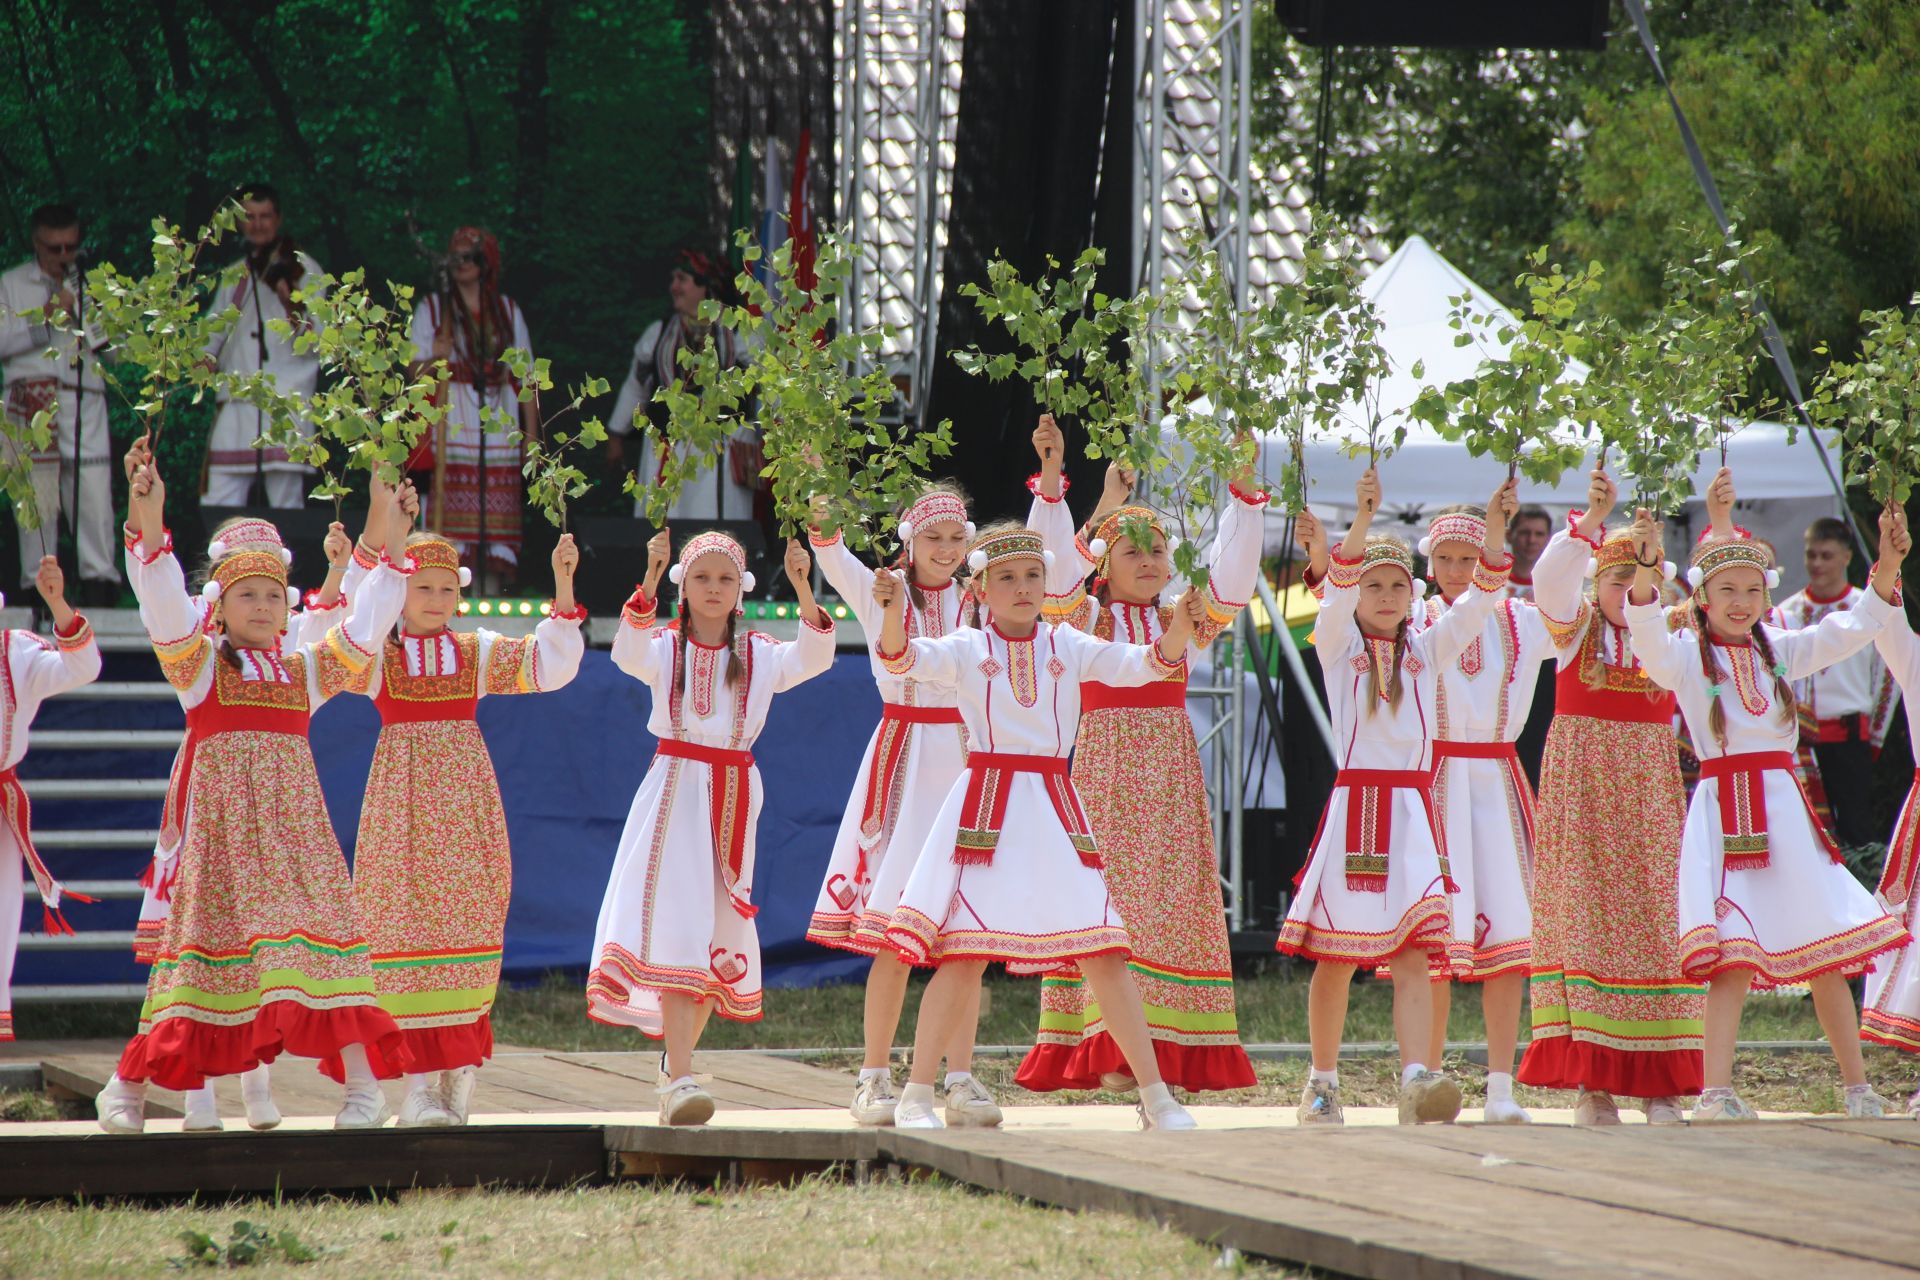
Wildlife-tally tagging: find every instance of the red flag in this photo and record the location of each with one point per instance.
(800, 215)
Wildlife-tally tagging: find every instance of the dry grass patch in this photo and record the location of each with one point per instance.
(820, 1227)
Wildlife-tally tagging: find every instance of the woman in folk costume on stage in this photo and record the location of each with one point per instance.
(1136, 767)
(1011, 870)
(260, 955)
(911, 762)
(1892, 1013)
(1375, 888)
(676, 939)
(36, 669)
(1483, 797)
(469, 326)
(1764, 896)
(160, 882)
(432, 870)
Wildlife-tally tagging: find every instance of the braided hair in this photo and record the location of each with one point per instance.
(1784, 699)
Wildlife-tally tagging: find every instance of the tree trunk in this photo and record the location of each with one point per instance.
(39, 92)
(532, 116)
(198, 127)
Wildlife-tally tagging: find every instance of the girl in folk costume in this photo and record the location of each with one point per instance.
(1892, 1012)
(1764, 896)
(36, 669)
(469, 327)
(160, 882)
(1136, 767)
(676, 938)
(262, 953)
(1011, 870)
(1484, 799)
(432, 870)
(1375, 888)
(916, 753)
(1612, 1012)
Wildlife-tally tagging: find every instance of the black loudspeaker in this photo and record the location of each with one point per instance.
(1462, 24)
(302, 529)
(613, 557)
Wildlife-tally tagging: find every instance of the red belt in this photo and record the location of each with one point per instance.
(985, 808)
(1370, 823)
(1444, 749)
(1095, 696)
(919, 715)
(1854, 728)
(1742, 794)
(730, 806)
(16, 812)
(705, 755)
(889, 752)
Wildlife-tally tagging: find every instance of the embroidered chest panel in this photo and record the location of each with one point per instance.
(425, 670)
(272, 682)
(1617, 679)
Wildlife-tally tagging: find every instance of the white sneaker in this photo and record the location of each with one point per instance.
(1595, 1106)
(423, 1109)
(874, 1101)
(1504, 1111)
(916, 1113)
(1320, 1104)
(1726, 1106)
(1913, 1105)
(256, 1091)
(686, 1103)
(456, 1091)
(970, 1106)
(1665, 1111)
(203, 1111)
(1429, 1098)
(1168, 1115)
(122, 1107)
(365, 1108)
(1865, 1104)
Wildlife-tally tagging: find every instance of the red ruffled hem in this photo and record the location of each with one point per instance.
(1561, 1062)
(180, 1053)
(1195, 1068)
(425, 1050)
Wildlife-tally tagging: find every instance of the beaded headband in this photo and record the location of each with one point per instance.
(246, 549)
(706, 544)
(1711, 558)
(437, 553)
(1108, 536)
(1009, 545)
(1455, 526)
(934, 508)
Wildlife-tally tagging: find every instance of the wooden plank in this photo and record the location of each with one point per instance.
(64, 1167)
(727, 1094)
(807, 1085)
(816, 1146)
(1903, 1132)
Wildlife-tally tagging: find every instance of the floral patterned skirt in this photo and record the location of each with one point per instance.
(262, 953)
(1611, 1008)
(1137, 770)
(432, 874)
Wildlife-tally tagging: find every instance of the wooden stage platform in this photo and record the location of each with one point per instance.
(1796, 1197)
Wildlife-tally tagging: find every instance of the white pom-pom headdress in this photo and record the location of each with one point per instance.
(709, 544)
(1718, 555)
(1455, 526)
(1115, 526)
(938, 507)
(245, 549)
(434, 552)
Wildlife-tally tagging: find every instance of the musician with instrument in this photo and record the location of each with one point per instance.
(49, 352)
(239, 474)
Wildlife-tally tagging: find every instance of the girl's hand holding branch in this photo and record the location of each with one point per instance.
(659, 551)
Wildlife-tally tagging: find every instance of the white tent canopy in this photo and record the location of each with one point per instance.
(1784, 482)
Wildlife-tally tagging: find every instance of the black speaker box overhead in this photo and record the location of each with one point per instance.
(1447, 24)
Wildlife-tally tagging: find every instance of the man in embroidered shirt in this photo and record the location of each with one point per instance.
(48, 366)
(1845, 709)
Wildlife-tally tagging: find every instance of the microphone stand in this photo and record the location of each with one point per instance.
(79, 411)
(259, 414)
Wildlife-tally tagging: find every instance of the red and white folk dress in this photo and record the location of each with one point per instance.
(432, 870)
(1891, 1015)
(678, 912)
(263, 952)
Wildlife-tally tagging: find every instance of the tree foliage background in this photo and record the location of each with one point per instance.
(575, 130)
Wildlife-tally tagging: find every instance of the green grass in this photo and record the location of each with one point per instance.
(819, 1227)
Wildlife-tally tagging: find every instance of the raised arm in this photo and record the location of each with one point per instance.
(845, 572)
(1233, 564)
(41, 671)
(811, 652)
(1841, 634)
(639, 644)
(1663, 653)
(1136, 664)
(1050, 517)
(932, 662)
(1448, 637)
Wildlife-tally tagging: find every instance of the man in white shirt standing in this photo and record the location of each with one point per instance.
(1845, 709)
(238, 473)
(47, 364)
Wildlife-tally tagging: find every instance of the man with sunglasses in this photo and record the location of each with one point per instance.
(239, 474)
(47, 364)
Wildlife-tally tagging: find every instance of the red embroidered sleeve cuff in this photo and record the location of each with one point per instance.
(1707, 532)
(1315, 583)
(1573, 530)
(1033, 487)
(404, 570)
(576, 614)
(133, 544)
(1492, 576)
(1252, 497)
(1342, 572)
(820, 539)
(824, 626)
(1166, 670)
(314, 604)
(77, 634)
(896, 663)
(641, 610)
(365, 556)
